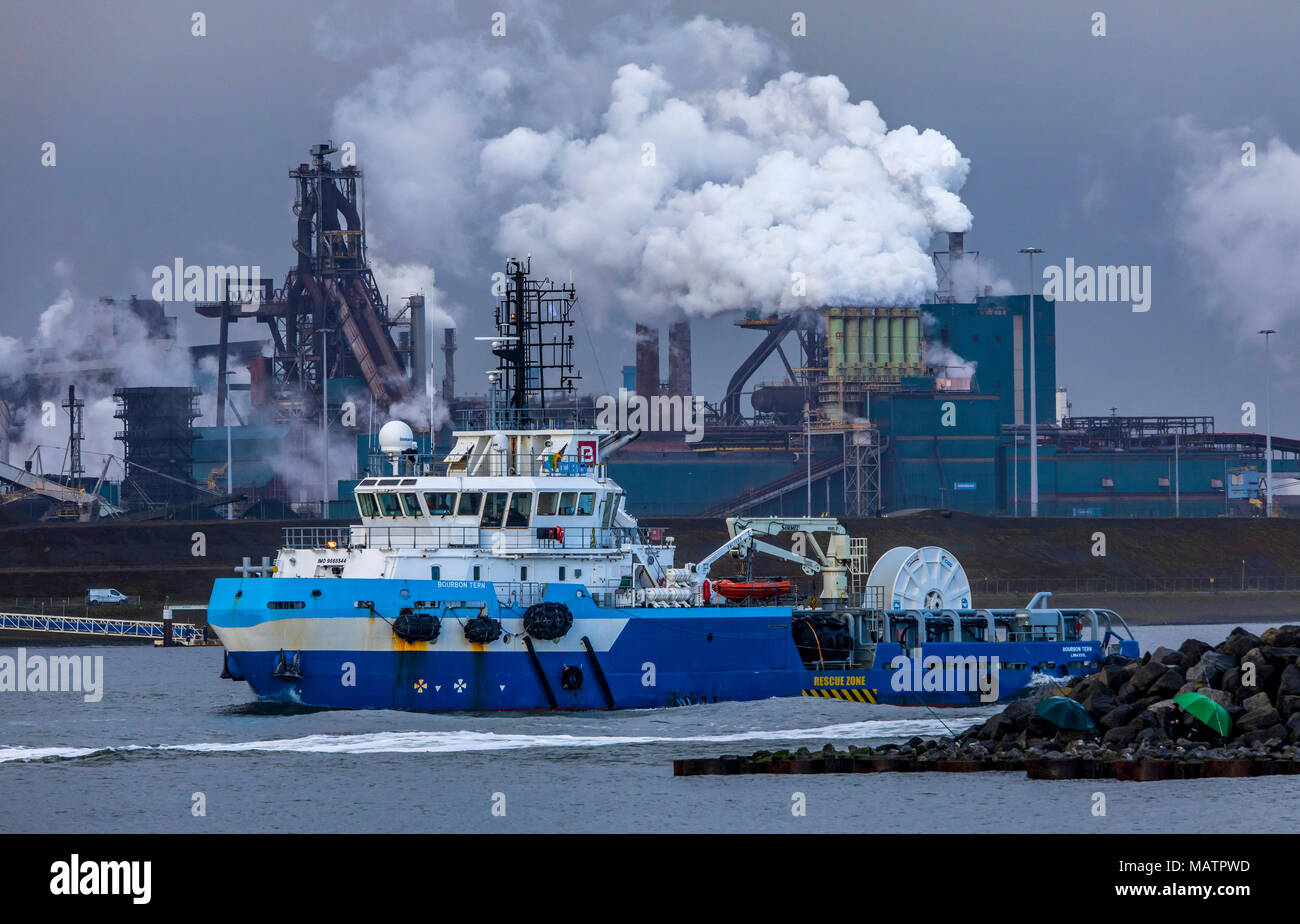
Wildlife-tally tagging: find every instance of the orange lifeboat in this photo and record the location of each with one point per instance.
(740, 590)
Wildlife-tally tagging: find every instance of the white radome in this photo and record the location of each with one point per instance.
(395, 436)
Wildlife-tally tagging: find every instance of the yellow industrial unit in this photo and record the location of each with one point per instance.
(868, 349)
(873, 344)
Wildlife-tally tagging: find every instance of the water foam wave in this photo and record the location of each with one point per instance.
(440, 742)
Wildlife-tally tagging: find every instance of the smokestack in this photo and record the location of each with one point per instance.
(647, 360)
(419, 346)
(679, 358)
(4, 432)
(259, 381)
(449, 378)
(956, 247)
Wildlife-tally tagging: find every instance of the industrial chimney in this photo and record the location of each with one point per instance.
(647, 360)
(679, 358)
(419, 345)
(449, 378)
(956, 247)
(4, 432)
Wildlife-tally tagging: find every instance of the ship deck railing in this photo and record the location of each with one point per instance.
(493, 464)
(574, 539)
(523, 594)
(915, 627)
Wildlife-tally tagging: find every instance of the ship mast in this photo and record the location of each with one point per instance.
(534, 342)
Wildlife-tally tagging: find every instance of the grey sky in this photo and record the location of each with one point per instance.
(170, 145)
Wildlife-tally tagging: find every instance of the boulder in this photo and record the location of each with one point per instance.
(1151, 736)
(1082, 689)
(1120, 715)
(1191, 650)
(1122, 736)
(1272, 735)
(1280, 656)
(1148, 674)
(1128, 693)
(1287, 636)
(1265, 679)
(1038, 727)
(1100, 702)
(1223, 699)
(996, 727)
(1116, 675)
(1293, 726)
(1167, 656)
(1238, 642)
(1021, 710)
(1288, 706)
(1170, 682)
(1213, 665)
(1260, 718)
(1258, 701)
(1289, 683)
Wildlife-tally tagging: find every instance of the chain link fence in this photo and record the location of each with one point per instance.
(1139, 585)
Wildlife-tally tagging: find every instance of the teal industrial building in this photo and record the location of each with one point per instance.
(955, 436)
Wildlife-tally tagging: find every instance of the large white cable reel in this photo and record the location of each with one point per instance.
(928, 578)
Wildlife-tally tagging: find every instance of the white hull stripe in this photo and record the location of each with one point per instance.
(371, 633)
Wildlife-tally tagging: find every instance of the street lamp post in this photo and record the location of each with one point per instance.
(807, 451)
(1033, 392)
(1268, 426)
(1015, 471)
(230, 477)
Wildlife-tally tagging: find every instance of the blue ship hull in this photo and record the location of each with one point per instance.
(330, 643)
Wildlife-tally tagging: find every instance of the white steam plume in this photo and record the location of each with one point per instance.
(96, 346)
(542, 146)
(1239, 227)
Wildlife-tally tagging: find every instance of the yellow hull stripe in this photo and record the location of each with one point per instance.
(854, 696)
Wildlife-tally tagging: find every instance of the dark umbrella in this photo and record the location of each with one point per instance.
(1064, 712)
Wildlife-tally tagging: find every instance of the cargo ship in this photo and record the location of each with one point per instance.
(510, 574)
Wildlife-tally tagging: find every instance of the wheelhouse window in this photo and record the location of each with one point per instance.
(547, 503)
(494, 509)
(608, 503)
(568, 501)
(388, 505)
(470, 501)
(440, 503)
(521, 507)
(586, 503)
(411, 504)
(366, 502)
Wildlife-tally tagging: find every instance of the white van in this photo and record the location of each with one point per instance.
(104, 595)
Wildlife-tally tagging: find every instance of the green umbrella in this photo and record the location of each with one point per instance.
(1200, 706)
(1064, 712)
